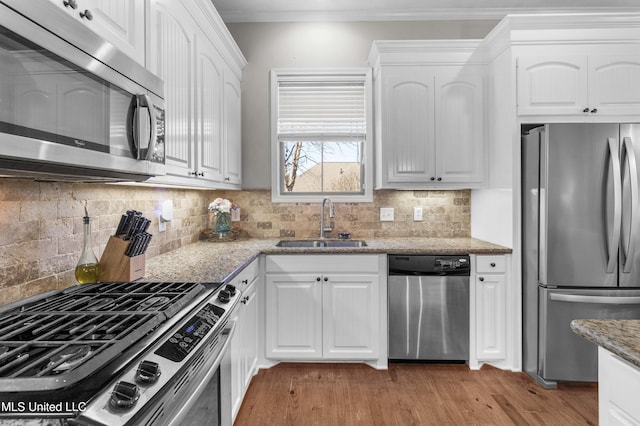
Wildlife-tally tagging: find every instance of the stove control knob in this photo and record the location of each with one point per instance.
(148, 372)
(231, 289)
(124, 396)
(224, 296)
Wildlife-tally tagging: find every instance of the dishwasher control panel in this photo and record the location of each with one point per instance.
(429, 264)
(450, 264)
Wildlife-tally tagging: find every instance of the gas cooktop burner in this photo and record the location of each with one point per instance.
(54, 342)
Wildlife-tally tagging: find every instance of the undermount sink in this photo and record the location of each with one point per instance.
(321, 243)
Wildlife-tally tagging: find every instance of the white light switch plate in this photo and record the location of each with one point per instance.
(417, 214)
(386, 214)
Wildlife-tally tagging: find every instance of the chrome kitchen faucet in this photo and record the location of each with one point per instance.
(331, 214)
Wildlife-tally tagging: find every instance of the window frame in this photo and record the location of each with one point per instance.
(323, 74)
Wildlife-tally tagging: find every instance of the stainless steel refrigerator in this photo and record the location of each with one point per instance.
(581, 241)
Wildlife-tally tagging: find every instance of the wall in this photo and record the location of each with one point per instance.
(336, 44)
(445, 214)
(41, 230)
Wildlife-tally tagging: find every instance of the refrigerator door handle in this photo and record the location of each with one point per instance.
(614, 238)
(605, 300)
(627, 146)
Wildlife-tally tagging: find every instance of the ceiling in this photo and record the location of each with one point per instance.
(397, 10)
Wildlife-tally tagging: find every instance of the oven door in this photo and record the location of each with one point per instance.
(208, 401)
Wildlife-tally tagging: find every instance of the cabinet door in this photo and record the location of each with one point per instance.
(552, 85)
(121, 22)
(351, 316)
(613, 85)
(250, 331)
(618, 387)
(209, 97)
(490, 317)
(294, 316)
(171, 58)
(407, 143)
(232, 130)
(235, 353)
(459, 125)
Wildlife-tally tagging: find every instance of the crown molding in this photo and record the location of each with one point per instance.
(440, 14)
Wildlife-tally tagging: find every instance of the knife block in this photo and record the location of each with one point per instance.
(115, 266)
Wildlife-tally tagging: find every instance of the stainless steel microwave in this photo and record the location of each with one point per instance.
(72, 106)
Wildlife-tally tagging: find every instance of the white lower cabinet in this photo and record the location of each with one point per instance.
(244, 346)
(618, 390)
(323, 307)
(490, 289)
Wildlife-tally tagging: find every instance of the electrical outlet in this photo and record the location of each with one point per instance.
(162, 226)
(417, 214)
(386, 214)
(235, 215)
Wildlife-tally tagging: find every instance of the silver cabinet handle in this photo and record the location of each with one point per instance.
(614, 238)
(627, 147)
(605, 300)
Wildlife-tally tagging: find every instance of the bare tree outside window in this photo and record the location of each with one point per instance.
(333, 167)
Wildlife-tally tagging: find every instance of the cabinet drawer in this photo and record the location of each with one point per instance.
(488, 264)
(329, 263)
(246, 276)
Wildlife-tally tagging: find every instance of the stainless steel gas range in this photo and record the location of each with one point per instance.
(118, 353)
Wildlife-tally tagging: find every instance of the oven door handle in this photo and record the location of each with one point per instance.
(227, 334)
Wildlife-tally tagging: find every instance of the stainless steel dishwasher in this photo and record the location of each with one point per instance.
(429, 307)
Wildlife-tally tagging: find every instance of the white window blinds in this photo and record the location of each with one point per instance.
(321, 109)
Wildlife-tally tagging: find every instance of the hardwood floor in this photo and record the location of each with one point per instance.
(410, 394)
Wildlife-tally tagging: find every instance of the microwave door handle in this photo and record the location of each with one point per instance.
(627, 145)
(614, 238)
(146, 102)
(132, 126)
(604, 300)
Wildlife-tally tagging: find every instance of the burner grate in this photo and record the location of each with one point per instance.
(53, 342)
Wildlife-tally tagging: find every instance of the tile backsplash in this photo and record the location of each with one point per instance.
(445, 214)
(41, 227)
(41, 223)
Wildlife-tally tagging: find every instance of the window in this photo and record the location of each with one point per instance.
(321, 135)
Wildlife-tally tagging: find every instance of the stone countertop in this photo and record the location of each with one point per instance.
(220, 261)
(621, 337)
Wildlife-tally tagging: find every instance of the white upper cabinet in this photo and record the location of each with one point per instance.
(429, 117)
(121, 22)
(459, 125)
(201, 72)
(408, 139)
(614, 84)
(209, 107)
(232, 148)
(552, 85)
(593, 85)
(171, 53)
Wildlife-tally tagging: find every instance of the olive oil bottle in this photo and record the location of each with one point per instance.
(87, 267)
